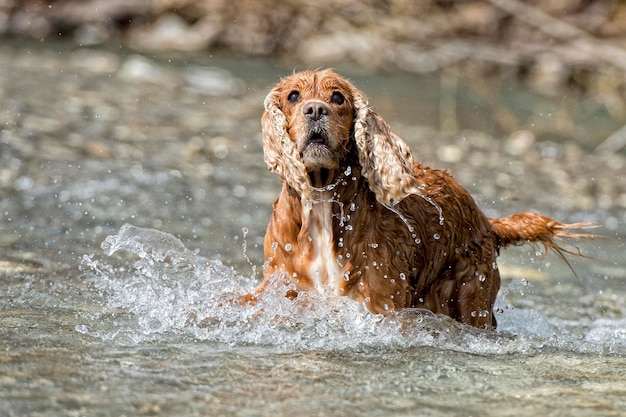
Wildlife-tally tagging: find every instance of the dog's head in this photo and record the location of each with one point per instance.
(312, 119)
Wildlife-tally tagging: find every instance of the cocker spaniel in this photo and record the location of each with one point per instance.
(357, 217)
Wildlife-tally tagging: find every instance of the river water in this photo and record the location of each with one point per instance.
(133, 201)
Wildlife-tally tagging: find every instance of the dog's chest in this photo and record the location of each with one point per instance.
(324, 269)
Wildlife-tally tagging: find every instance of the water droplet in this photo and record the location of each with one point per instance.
(288, 247)
(348, 227)
(348, 171)
(367, 299)
(392, 281)
(373, 245)
(352, 207)
(482, 278)
(374, 263)
(340, 242)
(436, 236)
(346, 276)
(402, 276)
(494, 266)
(418, 241)
(386, 307)
(347, 255)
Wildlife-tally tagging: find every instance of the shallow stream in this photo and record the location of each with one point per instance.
(133, 202)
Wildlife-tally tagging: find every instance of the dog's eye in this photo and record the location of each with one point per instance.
(293, 96)
(337, 98)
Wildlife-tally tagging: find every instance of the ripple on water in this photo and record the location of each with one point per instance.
(154, 287)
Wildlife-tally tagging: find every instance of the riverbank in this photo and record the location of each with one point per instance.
(552, 43)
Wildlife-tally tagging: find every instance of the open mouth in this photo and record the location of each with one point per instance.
(316, 138)
(318, 153)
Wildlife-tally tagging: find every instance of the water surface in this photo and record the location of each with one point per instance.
(132, 214)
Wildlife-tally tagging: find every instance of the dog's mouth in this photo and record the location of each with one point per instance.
(316, 138)
(319, 157)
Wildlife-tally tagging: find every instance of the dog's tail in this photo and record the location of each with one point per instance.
(537, 229)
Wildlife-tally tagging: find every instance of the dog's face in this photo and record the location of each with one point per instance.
(318, 107)
(314, 119)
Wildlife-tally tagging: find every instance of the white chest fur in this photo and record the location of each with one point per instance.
(324, 269)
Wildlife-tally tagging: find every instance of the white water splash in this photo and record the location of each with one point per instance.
(155, 287)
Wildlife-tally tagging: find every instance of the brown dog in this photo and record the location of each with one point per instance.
(357, 217)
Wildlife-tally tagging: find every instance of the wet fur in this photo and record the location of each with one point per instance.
(362, 219)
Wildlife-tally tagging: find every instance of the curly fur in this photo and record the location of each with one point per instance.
(358, 217)
(385, 158)
(280, 153)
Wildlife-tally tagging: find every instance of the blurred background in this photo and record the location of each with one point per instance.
(550, 43)
(148, 112)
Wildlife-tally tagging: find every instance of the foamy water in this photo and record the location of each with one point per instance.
(158, 288)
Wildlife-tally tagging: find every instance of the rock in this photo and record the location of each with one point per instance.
(139, 68)
(91, 34)
(362, 47)
(411, 59)
(519, 142)
(97, 62)
(449, 153)
(213, 81)
(549, 75)
(172, 32)
(324, 48)
(32, 24)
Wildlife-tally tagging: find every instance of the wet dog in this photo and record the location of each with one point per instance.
(357, 217)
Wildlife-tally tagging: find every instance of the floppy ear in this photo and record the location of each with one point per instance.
(385, 158)
(280, 152)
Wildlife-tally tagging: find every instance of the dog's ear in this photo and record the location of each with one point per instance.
(385, 158)
(280, 152)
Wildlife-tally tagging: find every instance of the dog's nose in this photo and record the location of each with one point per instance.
(315, 110)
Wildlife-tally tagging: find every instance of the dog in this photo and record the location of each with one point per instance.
(357, 217)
